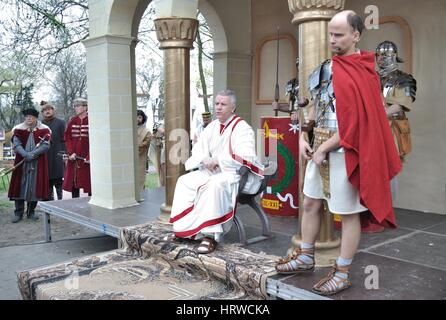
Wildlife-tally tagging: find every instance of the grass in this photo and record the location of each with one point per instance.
(4, 183)
(151, 181)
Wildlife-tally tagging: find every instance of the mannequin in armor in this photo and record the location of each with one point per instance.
(292, 94)
(347, 166)
(399, 90)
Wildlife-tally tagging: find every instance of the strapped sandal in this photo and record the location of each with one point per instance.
(206, 246)
(329, 285)
(292, 264)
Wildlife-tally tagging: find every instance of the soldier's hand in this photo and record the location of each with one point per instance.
(305, 150)
(394, 108)
(72, 157)
(320, 157)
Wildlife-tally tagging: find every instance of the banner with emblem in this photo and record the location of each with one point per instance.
(281, 196)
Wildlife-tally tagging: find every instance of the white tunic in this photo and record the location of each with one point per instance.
(344, 198)
(204, 202)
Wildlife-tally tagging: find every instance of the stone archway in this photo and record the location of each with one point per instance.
(112, 86)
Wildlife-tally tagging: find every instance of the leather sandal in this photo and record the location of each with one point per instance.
(293, 264)
(330, 285)
(207, 245)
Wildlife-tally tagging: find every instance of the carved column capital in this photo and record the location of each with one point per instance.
(176, 32)
(307, 10)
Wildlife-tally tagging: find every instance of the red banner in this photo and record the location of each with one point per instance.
(282, 194)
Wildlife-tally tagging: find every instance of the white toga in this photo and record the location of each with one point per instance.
(204, 203)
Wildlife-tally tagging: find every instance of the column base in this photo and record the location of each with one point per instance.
(112, 204)
(164, 216)
(325, 252)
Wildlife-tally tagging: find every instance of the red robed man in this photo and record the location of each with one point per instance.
(77, 174)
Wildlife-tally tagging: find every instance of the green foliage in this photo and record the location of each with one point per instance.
(151, 181)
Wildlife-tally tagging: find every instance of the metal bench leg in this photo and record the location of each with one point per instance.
(266, 228)
(47, 225)
(240, 229)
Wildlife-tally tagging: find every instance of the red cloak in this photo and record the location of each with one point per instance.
(77, 173)
(370, 152)
(42, 180)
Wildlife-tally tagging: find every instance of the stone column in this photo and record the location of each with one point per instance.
(311, 18)
(176, 37)
(111, 114)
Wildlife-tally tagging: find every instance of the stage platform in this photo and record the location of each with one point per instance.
(405, 263)
(107, 221)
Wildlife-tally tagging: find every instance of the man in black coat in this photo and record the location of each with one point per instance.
(56, 165)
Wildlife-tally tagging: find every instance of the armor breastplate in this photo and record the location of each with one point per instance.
(322, 93)
(400, 79)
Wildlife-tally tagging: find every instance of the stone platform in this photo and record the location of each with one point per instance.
(410, 261)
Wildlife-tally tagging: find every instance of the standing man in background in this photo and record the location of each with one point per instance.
(56, 165)
(77, 175)
(144, 137)
(399, 90)
(29, 180)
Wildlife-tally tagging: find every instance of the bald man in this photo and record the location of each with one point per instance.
(350, 157)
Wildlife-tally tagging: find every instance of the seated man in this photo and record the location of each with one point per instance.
(205, 200)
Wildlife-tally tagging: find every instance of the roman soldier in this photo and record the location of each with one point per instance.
(399, 90)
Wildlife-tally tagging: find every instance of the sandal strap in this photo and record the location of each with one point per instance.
(330, 282)
(297, 252)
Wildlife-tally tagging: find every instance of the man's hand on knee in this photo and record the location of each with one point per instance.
(210, 164)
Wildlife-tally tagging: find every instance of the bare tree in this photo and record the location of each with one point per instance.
(44, 28)
(147, 75)
(69, 82)
(204, 45)
(17, 79)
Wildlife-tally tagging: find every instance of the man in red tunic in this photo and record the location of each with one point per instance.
(77, 174)
(353, 157)
(29, 181)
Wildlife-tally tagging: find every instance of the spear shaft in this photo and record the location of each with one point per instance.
(276, 92)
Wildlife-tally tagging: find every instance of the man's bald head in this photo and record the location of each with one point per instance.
(351, 18)
(345, 29)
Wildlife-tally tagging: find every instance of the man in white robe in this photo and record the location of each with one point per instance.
(205, 200)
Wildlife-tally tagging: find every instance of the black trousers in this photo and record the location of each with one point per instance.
(57, 183)
(75, 193)
(20, 207)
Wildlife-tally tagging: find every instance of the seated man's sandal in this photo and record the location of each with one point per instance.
(206, 246)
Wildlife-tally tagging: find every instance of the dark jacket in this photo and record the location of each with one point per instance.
(56, 165)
